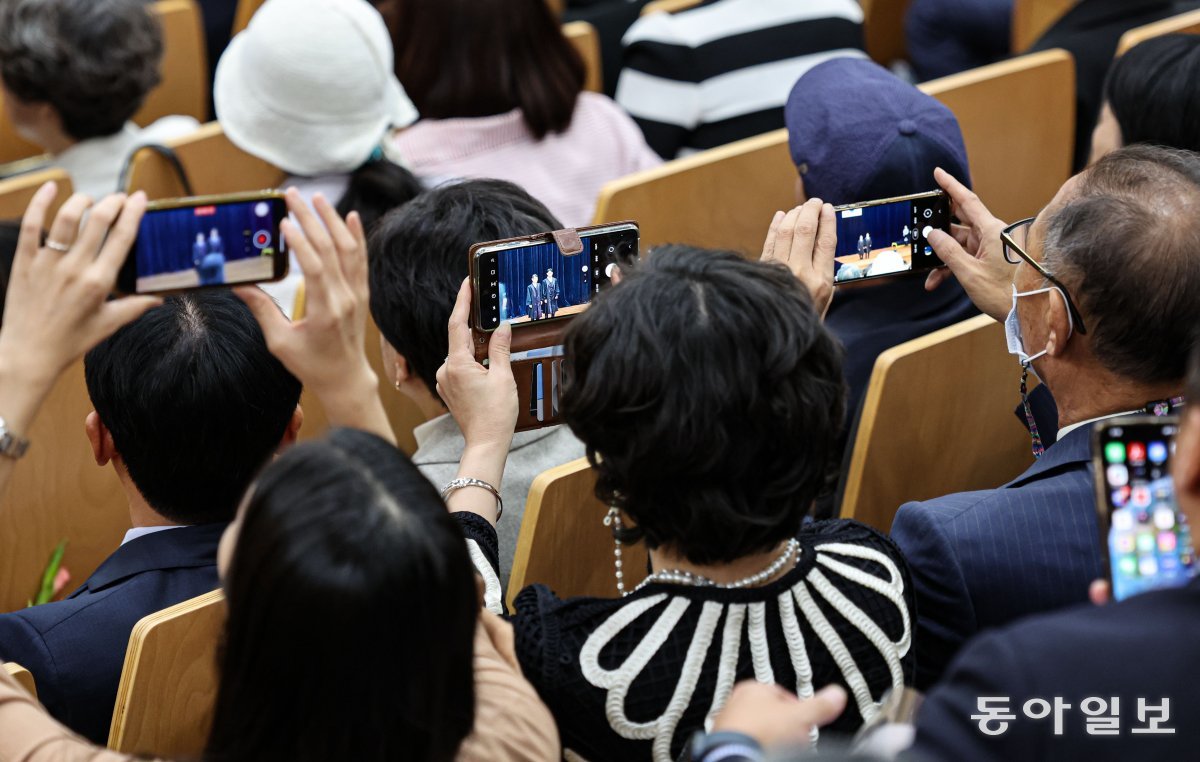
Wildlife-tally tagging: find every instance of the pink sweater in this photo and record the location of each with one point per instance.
(565, 171)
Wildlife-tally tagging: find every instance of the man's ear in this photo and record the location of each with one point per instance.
(293, 428)
(103, 449)
(1058, 322)
(1185, 465)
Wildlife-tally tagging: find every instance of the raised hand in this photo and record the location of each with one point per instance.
(805, 240)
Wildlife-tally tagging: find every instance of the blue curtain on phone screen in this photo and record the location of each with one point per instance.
(884, 223)
(517, 265)
(167, 240)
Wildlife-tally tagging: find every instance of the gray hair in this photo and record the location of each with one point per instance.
(92, 60)
(1127, 246)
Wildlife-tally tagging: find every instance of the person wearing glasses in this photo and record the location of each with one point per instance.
(1097, 294)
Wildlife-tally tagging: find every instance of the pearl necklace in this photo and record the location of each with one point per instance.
(681, 577)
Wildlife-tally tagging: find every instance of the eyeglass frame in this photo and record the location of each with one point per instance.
(1008, 242)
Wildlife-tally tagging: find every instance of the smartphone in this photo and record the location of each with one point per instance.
(531, 280)
(207, 241)
(888, 237)
(1146, 538)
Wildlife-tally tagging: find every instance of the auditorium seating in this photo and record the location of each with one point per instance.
(1018, 122)
(169, 683)
(16, 193)
(213, 165)
(184, 86)
(1184, 23)
(22, 676)
(564, 543)
(58, 493)
(245, 11)
(403, 414)
(1031, 19)
(584, 38)
(883, 29)
(918, 436)
(721, 198)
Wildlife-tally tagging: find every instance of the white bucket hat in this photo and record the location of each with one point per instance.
(309, 86)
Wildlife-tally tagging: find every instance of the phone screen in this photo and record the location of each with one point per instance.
(881, 239)
(1148, 540)
(529, 282)
(208, 244)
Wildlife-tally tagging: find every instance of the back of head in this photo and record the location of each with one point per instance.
(1125, 244)
(194, 402)
(709, 396)
(858, 133)
(515, 58)
(1153, 95)
(352, 609)
(418, 259)
(93, 61)
(309, 87)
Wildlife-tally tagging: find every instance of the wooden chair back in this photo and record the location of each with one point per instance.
(245, 11)
(883, 30)
(1184, 23)
(23, 677)
(17, 192)
(213, 165)
(169, 682)
(403, 414)
(919, 432)
(58, 493)
(1031, 19)
(564, 543)
(669, 6)
(183, 90)
(1018, 123)
(585, 39)
(720, 198)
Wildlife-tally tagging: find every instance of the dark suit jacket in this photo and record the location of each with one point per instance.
(1090, 32)
(76, 648)
(1144, 647)
(983, 559)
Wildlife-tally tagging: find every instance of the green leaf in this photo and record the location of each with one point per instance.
(46, 592)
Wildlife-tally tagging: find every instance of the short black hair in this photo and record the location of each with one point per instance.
(93, 61)
(1126, 246)
(1153, 94)
(345, 545)
(418, 259)
(194, 401)
(709, 396)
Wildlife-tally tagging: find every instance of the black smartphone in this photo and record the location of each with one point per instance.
(207, 241)
(888, 237)
(1146, 538)
(531, 280)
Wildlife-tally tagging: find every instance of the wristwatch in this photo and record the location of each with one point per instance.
(11, 445)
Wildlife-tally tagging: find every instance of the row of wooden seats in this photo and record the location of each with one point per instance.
(71, 498)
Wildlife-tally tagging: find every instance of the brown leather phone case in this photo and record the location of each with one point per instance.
(526, 337)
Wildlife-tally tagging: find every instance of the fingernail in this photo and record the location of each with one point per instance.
(816, 201)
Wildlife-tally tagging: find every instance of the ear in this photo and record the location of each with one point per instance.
(801, 196)
(1058, 321)
(293, 429)
(395, 365)
(1185, 465)
(103, 449)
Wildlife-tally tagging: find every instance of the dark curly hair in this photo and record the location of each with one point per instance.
(709, 396)
(92, 60)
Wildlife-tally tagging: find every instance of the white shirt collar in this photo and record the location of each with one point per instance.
(1068, 429)
(137, 532)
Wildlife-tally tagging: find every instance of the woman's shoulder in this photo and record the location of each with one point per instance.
(848, 531)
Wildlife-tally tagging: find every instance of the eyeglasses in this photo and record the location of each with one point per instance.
(1014, 238)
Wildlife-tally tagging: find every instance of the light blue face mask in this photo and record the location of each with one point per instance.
(1012, 326)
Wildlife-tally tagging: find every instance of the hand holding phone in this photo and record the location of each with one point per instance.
(1146, 538)
(805, 239)
(190, 243)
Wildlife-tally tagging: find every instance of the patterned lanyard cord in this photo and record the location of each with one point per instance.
(1165, 407)
(1038, 447)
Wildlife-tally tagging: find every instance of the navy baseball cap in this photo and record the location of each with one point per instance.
(858, 133)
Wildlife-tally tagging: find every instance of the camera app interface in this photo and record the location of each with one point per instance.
(887, 239)
(1149, 542)
(537, 282)
(208, 245)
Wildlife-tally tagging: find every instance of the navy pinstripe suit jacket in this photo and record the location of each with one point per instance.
(983, 559)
